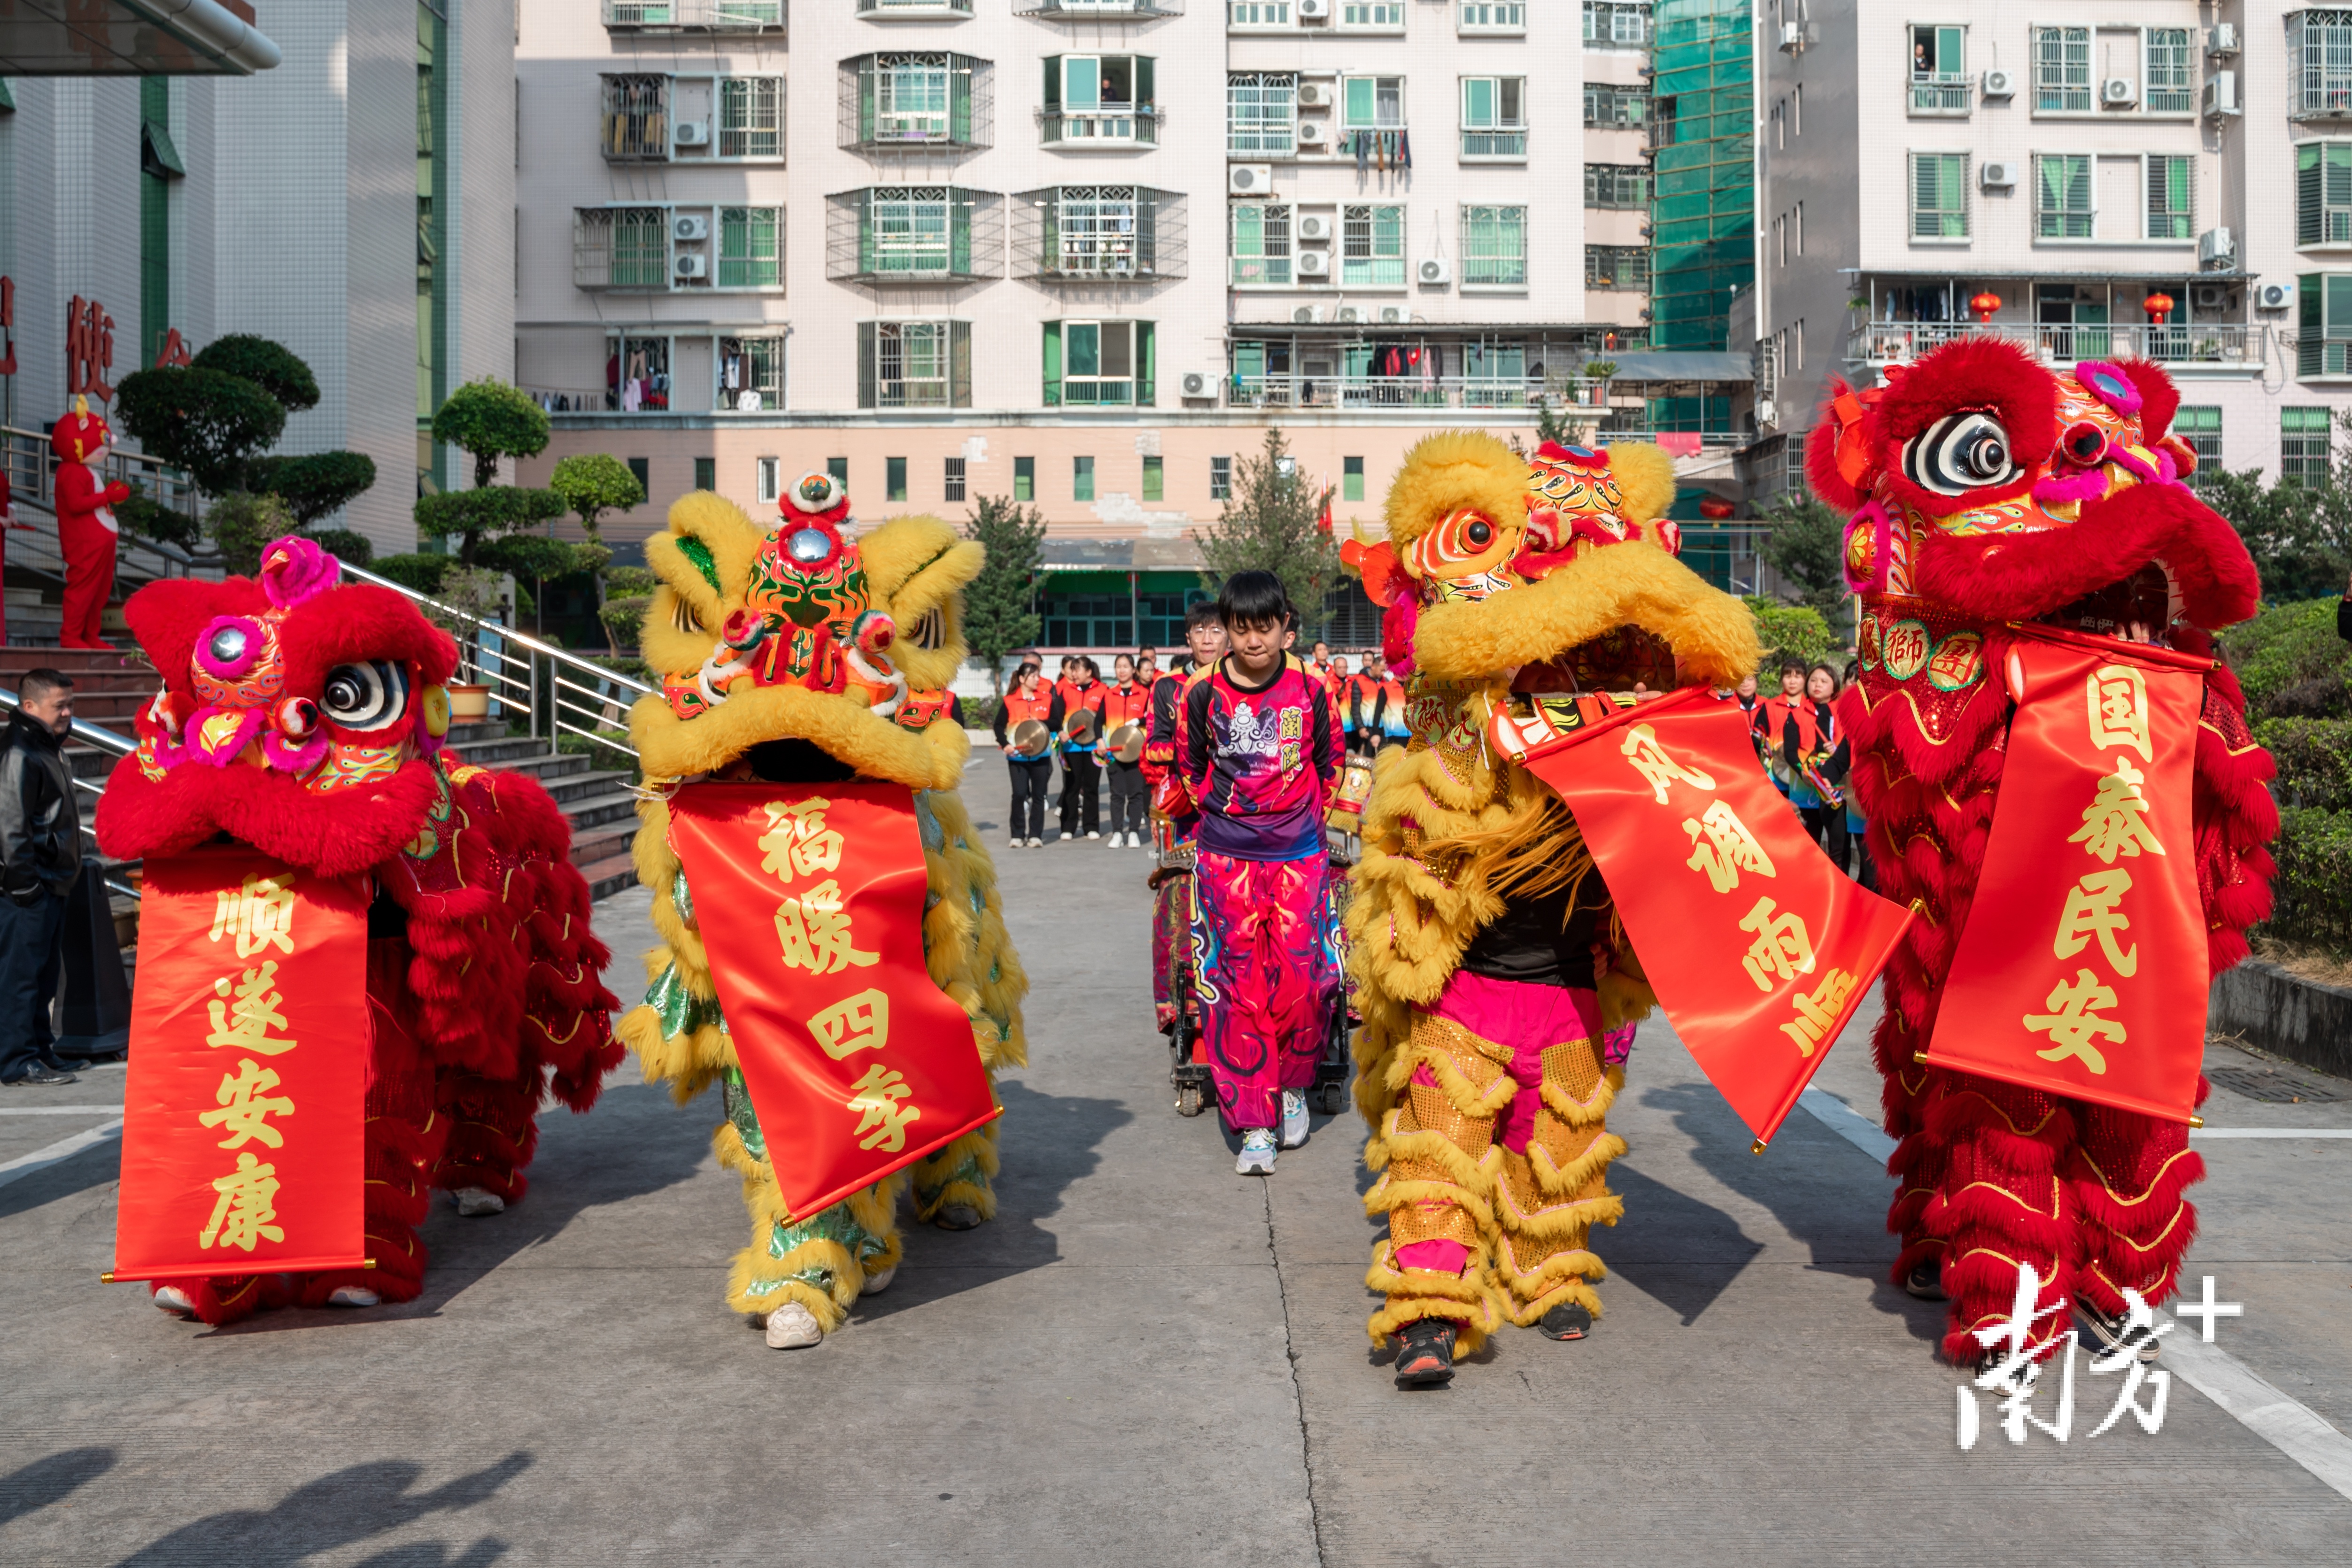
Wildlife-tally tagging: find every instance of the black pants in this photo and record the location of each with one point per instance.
(1827, 826)
(1030, 776)
(1081, 794)
(1131, 799)
(32, 944)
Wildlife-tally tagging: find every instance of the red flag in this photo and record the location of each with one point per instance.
(246, 1106)
(1759, 948)
(1324, 522)
(2087, 976)
(811, 899)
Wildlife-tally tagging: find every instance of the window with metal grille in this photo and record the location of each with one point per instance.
(1258, 14)
(913, 96)
(909, 230)
(1939, 195)
(1608, 105)
(2306, 447)
(1616, 185)
(1493, 17)
(1494, 246)
(2062, 203)
(913, 364)
(1383, 14)
(637, 116)
(1619, 24)
(952, 487)
(2172, 85)
(1372, 246)
(2319, 62)
(1261, 242)
(752, 374)
(751, 116)
(2171, 196)
(1940, 70)
(2062, 70)
(1221, 478)
(750, 247)
(2323, 193)
(2323, 338)
(2200, 426)
(1261, 113)
(1095, 231)
(1625, 267)
(620, 247)
(1494, 116)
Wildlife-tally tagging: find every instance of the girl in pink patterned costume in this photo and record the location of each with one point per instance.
(1260, 748)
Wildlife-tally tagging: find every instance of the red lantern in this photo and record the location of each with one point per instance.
(1715, 510)
(2157, 305)
(1984, 304)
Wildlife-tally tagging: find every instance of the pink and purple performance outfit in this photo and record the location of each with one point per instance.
(1262, 761)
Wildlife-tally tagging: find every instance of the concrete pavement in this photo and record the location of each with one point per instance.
(1144, 1360)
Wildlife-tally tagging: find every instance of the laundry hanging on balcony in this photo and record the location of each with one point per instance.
(1384, 150)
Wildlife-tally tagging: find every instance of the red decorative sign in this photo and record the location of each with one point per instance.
(811, 901)
(2087, 976)
(89, 349)
(245, 1111)
(7, 325)
(173, 351)
(1759, 948)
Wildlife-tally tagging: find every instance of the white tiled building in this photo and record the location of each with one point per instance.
(297, 203)
(2072, 159)
(1076, 251)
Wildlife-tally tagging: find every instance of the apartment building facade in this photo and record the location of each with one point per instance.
(1076, 252)
(348, 201)
(2173, 180)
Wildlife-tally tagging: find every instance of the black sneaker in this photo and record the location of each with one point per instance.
(40, 1075)
(1425, 1353)
(1566, 1321)
(1926, 1281)
(2112, 1339)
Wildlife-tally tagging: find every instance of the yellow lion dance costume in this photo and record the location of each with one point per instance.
(1493, 976)
(876, 711)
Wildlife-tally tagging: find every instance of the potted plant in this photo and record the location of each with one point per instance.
(1599, 371)
(469, 595)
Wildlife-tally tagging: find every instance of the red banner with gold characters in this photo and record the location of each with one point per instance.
(2082, 969)
(1759, 949)
(245, 1112)
(810, 899)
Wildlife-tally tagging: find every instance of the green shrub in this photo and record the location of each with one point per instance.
(150, 519)
(980, 713)
(274, 367)
(419, 573)
(2312, 893)
(350, 548)
(241, 523)
(2314, 761)
(2291, 662)
(1793, 631)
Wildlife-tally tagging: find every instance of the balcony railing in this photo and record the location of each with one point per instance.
(1088, 10)
(1501, 144)
(913, 9)
(2218, 343)
(1112, 125)
(712, 14)
(1290, 391)
(1940, 92)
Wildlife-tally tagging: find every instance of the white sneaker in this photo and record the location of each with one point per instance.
(1093, 835)
(354, 1296)
(1257, 1153)
(1036, 843)
(1294, 1118)
(876, 1284)
(473, 1202)
(1019, 842)
(792, 1326)
(173, 1299)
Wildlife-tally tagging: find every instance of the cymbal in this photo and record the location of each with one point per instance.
(1031, 737)
(1080, 725)
(1127, 743)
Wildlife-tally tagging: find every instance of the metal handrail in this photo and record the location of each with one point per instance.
(88, 734)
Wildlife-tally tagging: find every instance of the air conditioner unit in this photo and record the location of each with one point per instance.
(1198, 385)
(1349, 313)
(1315, 228)
(1314, 10)
(1312, 263)
(2275, 296)
(689, 228)
(1393, 315)
(1792, 37)
(2000, 84)
(1998, 175)
(2216, 245)
(692, 134)
(1435, 270)
(1314, 95)
(2221, 39)
(1305, 315)
(1250, 179)
(1312, 134)
(685, 267)
(1768, 411)
(2118, 93)
(2210, 295)
(2220, 94)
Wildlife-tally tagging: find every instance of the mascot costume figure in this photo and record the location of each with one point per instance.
(792, 655)
(87, 532)
(2002, 506)
(1495, 982)
(305, 719)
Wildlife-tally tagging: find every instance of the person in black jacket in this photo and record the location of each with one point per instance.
(41, 860)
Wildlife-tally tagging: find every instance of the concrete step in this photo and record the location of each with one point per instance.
(127, 668)
(596, 810)
(598, 844)
(608, 876)
(569, 787)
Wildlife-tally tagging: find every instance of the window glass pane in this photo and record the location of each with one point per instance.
(1081, 81)
(1477, 103)
(1360, 101)
(1082, 479)
(1117, 337)
(1154, 480)
(1082, 343)
(1025, 478)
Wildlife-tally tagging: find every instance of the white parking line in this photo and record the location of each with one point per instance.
(60, 1110)
(2283, 1423)
(42, 1159)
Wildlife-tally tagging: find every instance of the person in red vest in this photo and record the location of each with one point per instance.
(1127, 701)
(1029, 698)
(1082, 754)
(86, 527)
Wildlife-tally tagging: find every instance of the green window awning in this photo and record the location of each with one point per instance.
(157, 156)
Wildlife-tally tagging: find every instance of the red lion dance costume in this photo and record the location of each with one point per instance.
(306, 719)
(1988, 493)
(86, 527)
